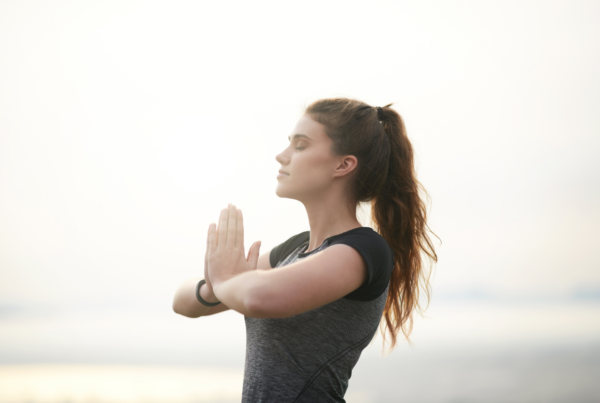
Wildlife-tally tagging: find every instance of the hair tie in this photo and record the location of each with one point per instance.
(379, 114)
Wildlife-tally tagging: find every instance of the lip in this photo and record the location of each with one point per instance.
(282, 173)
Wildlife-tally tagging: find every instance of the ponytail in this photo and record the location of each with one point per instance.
(400, 215)
(386, 178)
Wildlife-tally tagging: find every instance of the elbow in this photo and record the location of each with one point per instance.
(177, 308)
(180, 309)
(261, 305)
(254, 306)
(260, 298)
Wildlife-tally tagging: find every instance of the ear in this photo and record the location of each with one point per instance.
(345, 166)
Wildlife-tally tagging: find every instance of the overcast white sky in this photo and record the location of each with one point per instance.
(125, 127)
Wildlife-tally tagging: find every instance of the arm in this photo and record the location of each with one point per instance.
(185, 302)
(299, 287)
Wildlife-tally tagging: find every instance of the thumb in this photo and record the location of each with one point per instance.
(253, 254)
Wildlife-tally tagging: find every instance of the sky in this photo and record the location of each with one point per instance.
(126, 126)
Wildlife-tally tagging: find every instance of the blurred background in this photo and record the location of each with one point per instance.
(126, 126)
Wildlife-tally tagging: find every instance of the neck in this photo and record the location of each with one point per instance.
(329, 216)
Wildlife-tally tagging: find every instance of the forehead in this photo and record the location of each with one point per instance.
(310, 128)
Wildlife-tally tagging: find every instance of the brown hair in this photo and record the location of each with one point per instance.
(385, 177)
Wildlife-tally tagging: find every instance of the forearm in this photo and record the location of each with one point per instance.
(185, 302)
(241, 292)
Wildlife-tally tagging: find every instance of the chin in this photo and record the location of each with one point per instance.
(281, 192)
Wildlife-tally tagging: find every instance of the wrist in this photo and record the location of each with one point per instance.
(207, 294)
(218, 280)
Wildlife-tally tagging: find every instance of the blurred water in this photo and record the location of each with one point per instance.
(104, 384)
(477, 376)
(461, 376)
(465, 351)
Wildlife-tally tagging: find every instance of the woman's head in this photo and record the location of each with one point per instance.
(383, 174)
(355, 128)
(310, 170)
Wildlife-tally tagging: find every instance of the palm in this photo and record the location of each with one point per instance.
(226, 247)
(251, 262)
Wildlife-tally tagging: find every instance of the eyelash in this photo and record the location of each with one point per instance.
(299, 148)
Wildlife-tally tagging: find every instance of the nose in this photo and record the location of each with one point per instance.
(282, 158)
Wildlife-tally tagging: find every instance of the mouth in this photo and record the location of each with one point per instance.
(282, 173)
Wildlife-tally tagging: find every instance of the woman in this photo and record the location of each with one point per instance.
(308, 321)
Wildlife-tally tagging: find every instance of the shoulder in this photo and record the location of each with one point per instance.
(378, 257)
(361, 234)
(366, 239)
(282, 250)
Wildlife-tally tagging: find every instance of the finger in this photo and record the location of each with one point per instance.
(217, 233)
(222, 240)
(231, 226)
(250, 252)
(253, 254)
(212, 238)
(239, 240)
(207, 236)
(207, 244)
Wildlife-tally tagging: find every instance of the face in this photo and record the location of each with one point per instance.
(308, 166)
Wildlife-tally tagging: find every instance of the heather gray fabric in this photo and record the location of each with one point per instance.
(309, 357)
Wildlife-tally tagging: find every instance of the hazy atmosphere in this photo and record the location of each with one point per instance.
(126, 126)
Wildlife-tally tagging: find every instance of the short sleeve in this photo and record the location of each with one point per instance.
(378, 257)
(282, 250)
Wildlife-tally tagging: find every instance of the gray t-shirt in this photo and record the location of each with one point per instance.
(309, 357)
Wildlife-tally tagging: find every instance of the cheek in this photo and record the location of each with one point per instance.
(313, 169)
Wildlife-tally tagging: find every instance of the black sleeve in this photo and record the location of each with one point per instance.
(282, 251)
(378, 257)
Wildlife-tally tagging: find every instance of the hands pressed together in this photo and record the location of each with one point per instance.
(225, 257)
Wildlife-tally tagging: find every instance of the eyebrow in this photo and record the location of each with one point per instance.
(295, 136)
